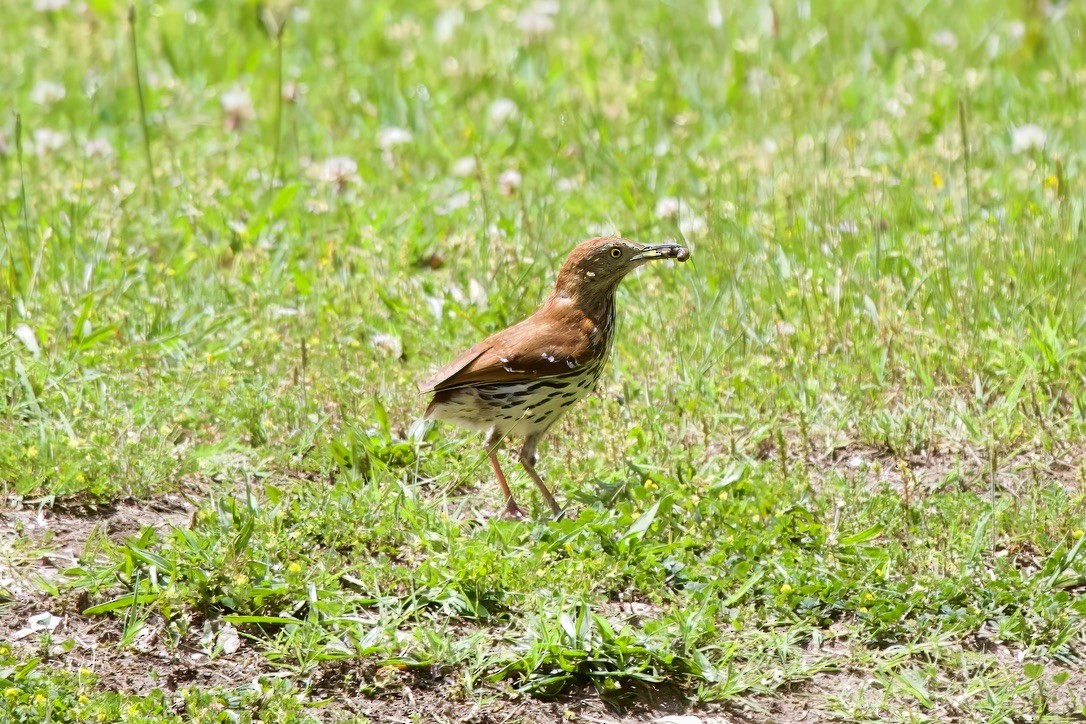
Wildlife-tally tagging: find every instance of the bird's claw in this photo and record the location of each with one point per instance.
(513, 512)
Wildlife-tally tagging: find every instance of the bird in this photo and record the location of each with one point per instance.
(521, 380)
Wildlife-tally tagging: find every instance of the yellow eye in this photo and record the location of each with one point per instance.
(616, 252)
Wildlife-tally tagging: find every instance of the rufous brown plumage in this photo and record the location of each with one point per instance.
(521, 380)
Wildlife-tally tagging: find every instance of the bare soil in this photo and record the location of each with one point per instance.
(48, 540)
(337, 690)
(39, 542)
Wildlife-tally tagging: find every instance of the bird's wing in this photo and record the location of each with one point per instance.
(522, 352)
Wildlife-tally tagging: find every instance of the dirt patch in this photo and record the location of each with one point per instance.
(145, 662)
(68, 523)
(39, 541)
(438, 696)
(967, 469)
(338, 690)
(43, 540)
(1064, 685)
(958, 688)
(806, 703)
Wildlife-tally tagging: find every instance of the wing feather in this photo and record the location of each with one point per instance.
(526, 351)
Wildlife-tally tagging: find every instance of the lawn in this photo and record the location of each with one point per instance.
(834, 471)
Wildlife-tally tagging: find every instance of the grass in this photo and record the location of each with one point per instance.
(836, 458)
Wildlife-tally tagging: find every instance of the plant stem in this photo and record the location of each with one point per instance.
(143, 105)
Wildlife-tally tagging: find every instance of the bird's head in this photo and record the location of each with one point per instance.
(595, 267)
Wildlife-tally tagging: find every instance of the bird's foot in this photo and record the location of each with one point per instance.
(513, 511)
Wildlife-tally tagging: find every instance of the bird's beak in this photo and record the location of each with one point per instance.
(663, 251)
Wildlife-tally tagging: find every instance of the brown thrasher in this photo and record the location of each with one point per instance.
(522, 379)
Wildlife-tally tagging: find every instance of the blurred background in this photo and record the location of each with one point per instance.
(894, 185)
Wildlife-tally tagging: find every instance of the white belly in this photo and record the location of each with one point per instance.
(524, 408)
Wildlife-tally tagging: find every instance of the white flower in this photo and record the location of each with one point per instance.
(388, 345)
(30, 340)
(477, 294)
(98, 147)
(338, 170)
(785, 329)
(715, 18)
(509, 181)
(668, 207)
(46, 93)
(893, 107)
(388, 139)
(436, 305)
(463, 167)
(403, 31)
(293, 92)
(122, 190)
(944, 39)
(546, 7)
(760, 81)
(534, 24)
(50, 6)
(1027, 137)
(1016, 30)
(602, 229)
(237, 100)
(392, 136)
(692, 225)
(447, 23)
(46, 140)
(456, 201)
(238, 107)
(335, 168)
(501, 110)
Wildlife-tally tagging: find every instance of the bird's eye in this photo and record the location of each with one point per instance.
(616, 252)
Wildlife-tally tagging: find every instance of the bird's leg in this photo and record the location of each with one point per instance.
(512, 510)
(527, 459)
